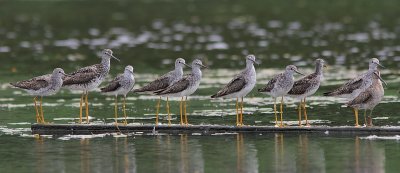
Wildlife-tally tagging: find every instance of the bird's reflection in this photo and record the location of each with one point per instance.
(85, 155)
(246, 155)
(368, 156)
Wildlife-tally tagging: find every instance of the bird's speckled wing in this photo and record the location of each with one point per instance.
(113, 85)
(302, 85)
(361, 98)
(233, 86)
(270, 85)
(34, 83)
(176, 87)
(83, 75)
(346, 88)
(156, 85)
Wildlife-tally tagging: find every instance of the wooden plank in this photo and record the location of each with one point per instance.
(87, 129)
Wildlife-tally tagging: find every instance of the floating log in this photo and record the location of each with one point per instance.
(87, 129)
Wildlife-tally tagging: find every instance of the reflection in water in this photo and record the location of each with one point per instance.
(246, 155)
(85, 155)
(186, 153)
(368, 157)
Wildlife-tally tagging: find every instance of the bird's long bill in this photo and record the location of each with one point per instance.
(66, 74)
(256, 62)
(187, 65)
(381, 65)
(115, 58)
(203, 66)
(380, 78)
(299, 73)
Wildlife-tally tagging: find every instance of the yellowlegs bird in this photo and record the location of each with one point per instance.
(354, 87)
(307, 86)
(120, 85)
(279, 86)
(240, 86)
(185, 87)
(369, 98)
(163, 82)
(89, 78)
(42, 86)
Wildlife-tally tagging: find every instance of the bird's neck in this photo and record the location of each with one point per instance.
(249, 65)
(105, 62)
(318, 69)
(178, 71)
(56, 80)
(196, 72)
(372, 67)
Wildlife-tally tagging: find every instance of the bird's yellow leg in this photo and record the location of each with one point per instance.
(169, 115)
(365, 117)
(241, 113)
(87, 107)
(237, 111)
(281, 125)
(37, 111)
(356, 117)
(184, 109)
(180, 110)
(116, 110)
(305, 112)
(80, 108)
(124, 109)
(276, 113)
(370, 119)
(299, 110)
(41, 109)
(157, 110)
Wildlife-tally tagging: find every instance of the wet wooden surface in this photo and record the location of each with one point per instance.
(87, 129)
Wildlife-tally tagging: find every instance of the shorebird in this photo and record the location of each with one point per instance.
(120, 85)
(240, 86)
(279, 86)
(42, 86)
(163, 82)
(307, 86)
(368, 99)
(89, 78)
(184, 87)
(354, 87)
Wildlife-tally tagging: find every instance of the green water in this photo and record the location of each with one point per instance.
(37, 36)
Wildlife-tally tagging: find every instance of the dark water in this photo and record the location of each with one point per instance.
(37, 36)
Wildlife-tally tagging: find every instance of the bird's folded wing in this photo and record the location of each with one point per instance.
(83, 75)
(177, 87)
(233, 86)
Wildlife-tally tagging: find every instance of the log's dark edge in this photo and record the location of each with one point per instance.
(84, 129)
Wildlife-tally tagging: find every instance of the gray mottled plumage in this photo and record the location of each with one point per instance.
(242, 83)
(303, 85)
(42, 85)
(233, 86)
(309, 84)
(187, 85)
(85, 75)
(90, 77)
(369, 98)
(357, 85)
(280, 84)
(178, 86)
(113, 85)
(165, 80)
(122, 84)
(160, 83)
